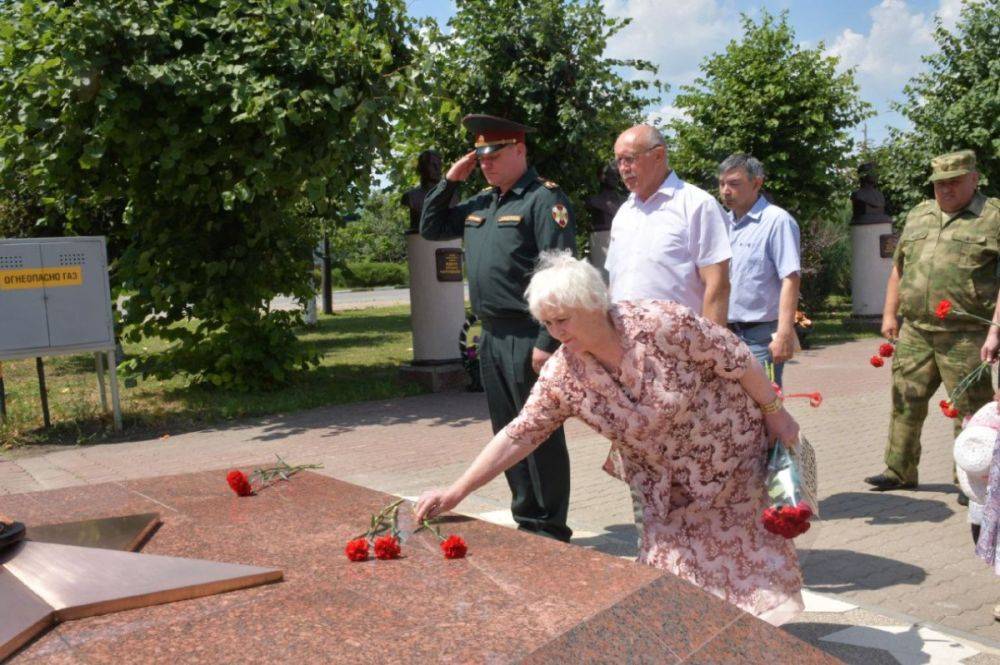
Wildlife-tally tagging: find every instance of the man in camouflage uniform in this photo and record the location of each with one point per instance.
(504, 227)
(948, 250)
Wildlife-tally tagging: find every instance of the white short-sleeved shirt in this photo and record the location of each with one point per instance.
(657, 245)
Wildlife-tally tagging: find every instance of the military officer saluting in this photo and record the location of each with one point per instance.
(504, 228)
(948, 250)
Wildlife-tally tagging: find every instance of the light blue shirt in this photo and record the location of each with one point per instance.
(765, 245)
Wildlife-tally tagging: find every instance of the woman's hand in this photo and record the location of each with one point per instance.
(781, 425)
(434, 502)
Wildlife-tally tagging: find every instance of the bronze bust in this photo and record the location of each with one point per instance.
(867, 203)
(429, 169)
(603, 205)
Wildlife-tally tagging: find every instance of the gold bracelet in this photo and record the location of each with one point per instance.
(772, 407)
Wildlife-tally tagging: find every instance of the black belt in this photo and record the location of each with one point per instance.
(740, 326)
(505, 324)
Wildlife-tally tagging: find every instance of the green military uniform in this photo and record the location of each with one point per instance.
(503, 236)
(941, 256)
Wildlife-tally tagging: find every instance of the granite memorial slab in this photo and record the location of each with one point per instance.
(515, 598)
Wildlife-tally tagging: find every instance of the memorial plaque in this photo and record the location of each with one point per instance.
(50, 577)
(887, 245)
(448, 261)
(124, 533)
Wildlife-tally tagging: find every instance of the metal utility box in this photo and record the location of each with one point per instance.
(55, 299)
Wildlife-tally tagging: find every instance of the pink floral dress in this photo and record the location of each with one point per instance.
(686, 436)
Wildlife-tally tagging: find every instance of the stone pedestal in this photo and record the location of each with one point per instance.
(599, 241)
(872, 243)
(436, 378)
(517, 597)
(437, 300)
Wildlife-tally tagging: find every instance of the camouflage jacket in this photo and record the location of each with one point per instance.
(954, 257)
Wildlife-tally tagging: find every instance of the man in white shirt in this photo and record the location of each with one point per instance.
(669, 240)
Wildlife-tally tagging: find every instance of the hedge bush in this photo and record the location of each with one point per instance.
(368, 274)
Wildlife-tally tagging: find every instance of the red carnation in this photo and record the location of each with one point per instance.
(948, 409)
(942, 309)
(387, 547)
(454, 547)
(886, 350)
(876, 361)
(238, 481)
(357, 549)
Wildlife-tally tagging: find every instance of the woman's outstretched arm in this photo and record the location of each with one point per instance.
(500, 454)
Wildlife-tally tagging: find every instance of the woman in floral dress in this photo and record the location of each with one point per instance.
(689, 413)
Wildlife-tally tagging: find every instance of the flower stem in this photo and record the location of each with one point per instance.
(968, 380)
(978, 318)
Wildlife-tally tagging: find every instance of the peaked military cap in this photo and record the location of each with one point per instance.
(492, 133)
(952, 165)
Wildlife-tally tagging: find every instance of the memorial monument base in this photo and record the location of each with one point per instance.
(436, 378)
(515, 598)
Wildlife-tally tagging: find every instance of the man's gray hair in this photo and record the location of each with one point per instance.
(749, 163)
(650, 135)
(562, 282)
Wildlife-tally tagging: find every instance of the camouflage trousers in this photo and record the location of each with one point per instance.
(922, 361)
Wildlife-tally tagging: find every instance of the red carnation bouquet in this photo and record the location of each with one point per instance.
(885, 350)
(792, 501)
(385, 536)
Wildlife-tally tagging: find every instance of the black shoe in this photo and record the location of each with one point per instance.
(962, 499)
(884, 483)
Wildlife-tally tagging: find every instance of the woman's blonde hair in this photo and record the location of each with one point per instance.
(561, 282)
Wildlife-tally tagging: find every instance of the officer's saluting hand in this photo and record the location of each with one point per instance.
(463, 168)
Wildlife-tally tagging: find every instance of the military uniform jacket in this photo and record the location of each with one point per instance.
(949, 257)
(503, 236)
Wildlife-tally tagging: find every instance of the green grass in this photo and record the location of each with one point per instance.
(832, 324)
(359, 351)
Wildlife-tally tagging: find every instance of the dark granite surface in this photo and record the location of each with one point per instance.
(516, 597)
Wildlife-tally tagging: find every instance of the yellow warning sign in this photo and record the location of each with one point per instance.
(37, 278)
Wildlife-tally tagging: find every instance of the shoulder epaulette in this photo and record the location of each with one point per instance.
(549, 184)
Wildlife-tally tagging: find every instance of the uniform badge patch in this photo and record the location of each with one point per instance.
(560, 214)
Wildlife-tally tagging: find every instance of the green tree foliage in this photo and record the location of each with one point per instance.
(377, 234)
(768, 96)
(953, 105)
(540, 63)
(210, 127)
(784, 104)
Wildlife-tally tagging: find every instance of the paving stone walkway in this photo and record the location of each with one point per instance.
(899, 564)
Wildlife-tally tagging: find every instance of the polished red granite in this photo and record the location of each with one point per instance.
(515, 598)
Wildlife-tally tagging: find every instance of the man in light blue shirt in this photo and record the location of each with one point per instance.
(765, 267)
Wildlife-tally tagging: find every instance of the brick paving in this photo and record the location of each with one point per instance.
(899, 554)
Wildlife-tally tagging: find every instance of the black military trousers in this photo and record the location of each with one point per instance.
(539, 483)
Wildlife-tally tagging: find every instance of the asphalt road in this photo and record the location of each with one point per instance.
(380, 297)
